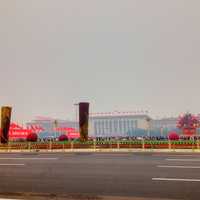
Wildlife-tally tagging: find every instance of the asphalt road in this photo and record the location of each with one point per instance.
(155, 175)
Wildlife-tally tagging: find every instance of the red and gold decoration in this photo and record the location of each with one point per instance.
(188, 123)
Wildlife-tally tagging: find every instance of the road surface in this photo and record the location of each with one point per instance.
(143, 175)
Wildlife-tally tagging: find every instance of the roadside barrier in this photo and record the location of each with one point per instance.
(95, 145)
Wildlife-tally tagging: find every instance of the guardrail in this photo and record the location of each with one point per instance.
(137, 144)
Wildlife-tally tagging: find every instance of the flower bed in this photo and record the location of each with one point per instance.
(39, 146)
(127, 146)
(187, 144)
(67, 146)
(103, 146)
(83, 146)
(156, 146)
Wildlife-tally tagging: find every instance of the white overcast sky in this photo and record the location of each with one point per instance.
(117, 54)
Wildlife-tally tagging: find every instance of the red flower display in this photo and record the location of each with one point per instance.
(63, 138)
(173, 136)
(32, 137)
(188, 123)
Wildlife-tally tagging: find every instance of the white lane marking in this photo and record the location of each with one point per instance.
(176, 179)
(178, 166)
(8, 199)
(28, 158)
(7, 164)
(184, 160)
(175, 155)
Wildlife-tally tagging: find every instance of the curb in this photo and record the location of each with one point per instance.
(105, 151)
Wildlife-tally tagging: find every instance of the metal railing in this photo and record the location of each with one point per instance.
(95, 145)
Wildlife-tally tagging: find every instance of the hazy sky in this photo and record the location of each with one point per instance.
(117, 54)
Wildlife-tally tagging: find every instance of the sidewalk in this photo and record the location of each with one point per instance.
(100, 150)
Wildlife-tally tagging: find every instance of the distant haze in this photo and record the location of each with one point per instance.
(117, 54)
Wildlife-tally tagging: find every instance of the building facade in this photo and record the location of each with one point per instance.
(169, 123)
(51, 124)
(117, 124)
(52, 128)
(162, 127)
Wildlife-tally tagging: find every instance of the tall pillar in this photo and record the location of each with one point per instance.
(83, 120)
(5, 123)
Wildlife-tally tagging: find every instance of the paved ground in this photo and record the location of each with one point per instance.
(96, 175)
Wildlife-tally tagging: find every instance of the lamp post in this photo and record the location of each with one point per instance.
(76, 113)
(161, 131)
(55, 124)
(149, 125)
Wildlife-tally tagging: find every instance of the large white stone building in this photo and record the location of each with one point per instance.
(117, 124)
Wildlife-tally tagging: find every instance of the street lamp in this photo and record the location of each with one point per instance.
(161, 131)
(76, 112)
(148, 119)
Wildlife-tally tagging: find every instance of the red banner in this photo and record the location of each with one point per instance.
(16, 131)
(73, 135)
